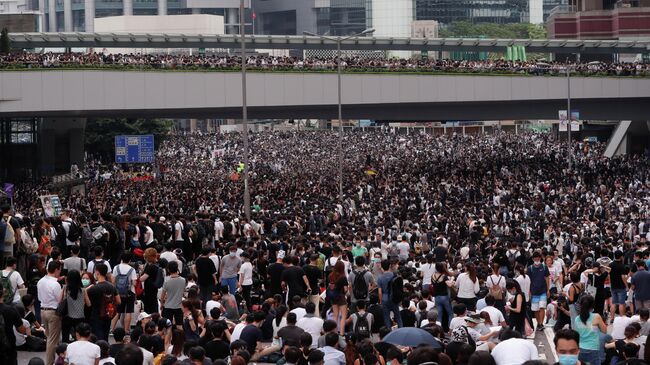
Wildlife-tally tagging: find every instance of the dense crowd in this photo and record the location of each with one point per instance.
(349, 64)
(444, 250)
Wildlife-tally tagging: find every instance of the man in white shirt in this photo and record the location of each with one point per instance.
(124, 278)
(332, 355)
(218, 229)
(245, 282)
(99, 259)
(82, 351)
(496, 317)
(311, 324)
(169, 255)
(49, 294)
(15, 281)
(514, 350)
(239, 327)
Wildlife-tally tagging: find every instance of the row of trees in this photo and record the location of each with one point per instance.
(465, 29)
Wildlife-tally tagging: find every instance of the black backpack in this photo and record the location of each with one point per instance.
(160, 278)
(396, 286)
(362, 327)
(359, 286)
(74, 232)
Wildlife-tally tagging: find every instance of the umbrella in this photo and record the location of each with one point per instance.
(411, 337)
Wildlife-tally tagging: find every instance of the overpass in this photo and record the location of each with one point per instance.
(221, 41)
(386, 96)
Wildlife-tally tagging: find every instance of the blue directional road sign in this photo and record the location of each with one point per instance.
(134, 149)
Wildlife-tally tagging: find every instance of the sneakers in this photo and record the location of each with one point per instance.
(540, 328)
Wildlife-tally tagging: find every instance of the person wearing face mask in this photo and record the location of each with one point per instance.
(517, 308)
(230, 265)
(86, 280)
(539, 288)
(567, 346)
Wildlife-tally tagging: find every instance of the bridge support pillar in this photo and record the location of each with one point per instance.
(61, 145)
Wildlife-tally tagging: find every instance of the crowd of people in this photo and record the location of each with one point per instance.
(448, 249)
(349, 64)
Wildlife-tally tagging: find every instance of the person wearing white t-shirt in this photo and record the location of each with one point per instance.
(14, 278)
(311, 323)
(218, 230)
(178, 234)
(514, 351)
(426, 272)
(169, 255)
(239, 327)
(524, 281)
(127, 305)
(82, 351)
(246, 278)
(496, 316)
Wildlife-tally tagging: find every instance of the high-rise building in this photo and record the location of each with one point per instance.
(601, 19)
(291, 17)
(74, 15)
(474, 11)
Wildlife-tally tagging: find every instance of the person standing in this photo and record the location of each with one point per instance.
(383, 283)
(468, 286)
(230, 265)
(150, 278)
(12, 320)
(98, 298)
(172, 295)
(641, 286)
(359, 287)
(539, 289)
(124, 278)
(206, 274)
(245, 282)
(314, 275)
(618, 281)
(49, 294)
(73, 293)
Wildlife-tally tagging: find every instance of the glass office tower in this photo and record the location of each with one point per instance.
(475, 11)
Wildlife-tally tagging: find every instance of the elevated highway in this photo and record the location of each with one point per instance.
(386, 96)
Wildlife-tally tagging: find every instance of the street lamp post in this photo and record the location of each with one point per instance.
(242, 32)
(338, 41)
(568, 112)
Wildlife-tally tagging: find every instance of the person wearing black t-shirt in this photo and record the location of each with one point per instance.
(12, 319)
(206, 274)
(618, 280)
(314, 274)
(251, 334)
(99, 321)
(294, 278)
(274, 273)
(217, 348)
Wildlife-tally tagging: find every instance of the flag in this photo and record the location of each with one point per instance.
(9, 190)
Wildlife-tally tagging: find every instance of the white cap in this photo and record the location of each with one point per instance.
(143, 315)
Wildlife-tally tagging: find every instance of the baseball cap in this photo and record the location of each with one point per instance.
(143, 315)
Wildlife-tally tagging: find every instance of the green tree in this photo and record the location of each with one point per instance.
(100, 133)
(464, 29)
(5, 44)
